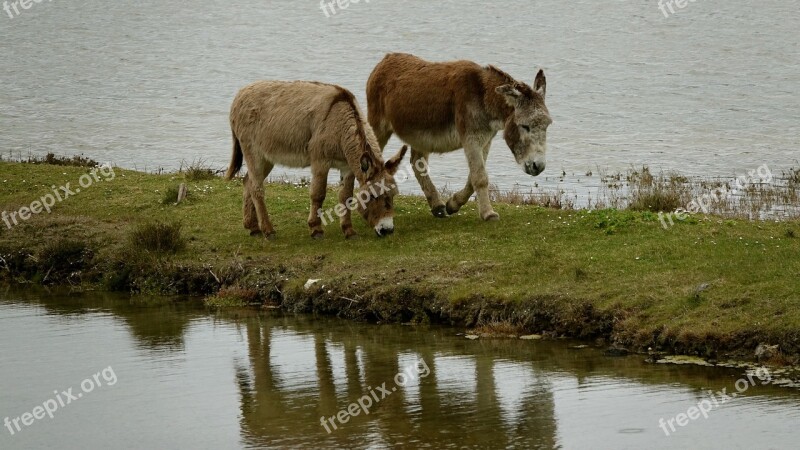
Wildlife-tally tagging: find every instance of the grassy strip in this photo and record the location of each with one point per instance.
(705, 286)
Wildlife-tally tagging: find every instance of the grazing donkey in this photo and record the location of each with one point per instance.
(302, 124)
(441, 107)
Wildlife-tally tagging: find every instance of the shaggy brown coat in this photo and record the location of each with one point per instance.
(441, 107)
(310, 124)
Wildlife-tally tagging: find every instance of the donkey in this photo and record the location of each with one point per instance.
(302, 124)
(442, 107)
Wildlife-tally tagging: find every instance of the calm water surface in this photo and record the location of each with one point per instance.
(184, 377)
(711, 90)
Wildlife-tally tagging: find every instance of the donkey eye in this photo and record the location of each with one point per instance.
(526, 128)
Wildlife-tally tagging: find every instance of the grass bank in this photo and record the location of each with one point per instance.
(706, 286)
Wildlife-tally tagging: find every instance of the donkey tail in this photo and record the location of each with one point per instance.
(236, 159)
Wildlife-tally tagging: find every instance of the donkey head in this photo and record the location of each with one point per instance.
(526, 129)
(376, 194)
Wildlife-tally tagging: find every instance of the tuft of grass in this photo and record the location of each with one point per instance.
(54, 160)
(232, 297)
(499, 329)
(545, 199)
(656, 193)
(63, 258)
(158, 237)
(198, 170)
(792, 176)
(170, 195)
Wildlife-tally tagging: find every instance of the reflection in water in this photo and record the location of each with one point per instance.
(258, 380)
(313, 371)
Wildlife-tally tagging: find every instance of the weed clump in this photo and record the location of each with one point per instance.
(53, 160)
(62, 260)
(158, 237)
(198, 170)
(170, 195)
(656, 193)
(233, 296)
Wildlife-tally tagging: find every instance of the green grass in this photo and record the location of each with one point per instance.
(623, 263)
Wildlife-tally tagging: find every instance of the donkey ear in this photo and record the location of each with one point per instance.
(394, 162)
(540, 83)
(366, 163)
(510, 93)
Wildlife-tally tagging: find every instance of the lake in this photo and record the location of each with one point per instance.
(710, 90)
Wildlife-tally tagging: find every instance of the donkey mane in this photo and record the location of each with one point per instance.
(345, 96)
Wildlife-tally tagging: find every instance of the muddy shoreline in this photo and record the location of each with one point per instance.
(398, 300)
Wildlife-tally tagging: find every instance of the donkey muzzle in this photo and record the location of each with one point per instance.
(533, 168)
(385, 227)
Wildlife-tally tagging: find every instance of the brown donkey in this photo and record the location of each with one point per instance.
(302, 124)
(442, 107)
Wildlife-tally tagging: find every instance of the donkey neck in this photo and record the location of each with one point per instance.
(353, 147)
(496, 106)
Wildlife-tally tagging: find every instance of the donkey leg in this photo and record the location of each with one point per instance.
(346, 193)
(478, 177)
(249, 211)
(254, 189)
(251, 221)
(382, 132)
(461, 197)
(319, 184)
(419, 161)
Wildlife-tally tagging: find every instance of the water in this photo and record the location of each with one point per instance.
(184, 377)
(709, 91)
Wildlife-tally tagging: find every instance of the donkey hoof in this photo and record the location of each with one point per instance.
(439, 211)
(317, 235)
(492, 217)
(270, 236)
(452, 209)
(352, 237)
(255, 233)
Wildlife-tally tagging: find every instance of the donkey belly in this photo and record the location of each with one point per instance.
(298, 158)
(432, 141)
(294, 159)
